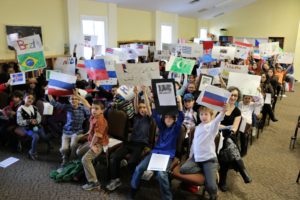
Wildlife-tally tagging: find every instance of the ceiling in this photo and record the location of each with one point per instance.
(203, 9)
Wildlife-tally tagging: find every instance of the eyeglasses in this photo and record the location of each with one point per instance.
(234, 95)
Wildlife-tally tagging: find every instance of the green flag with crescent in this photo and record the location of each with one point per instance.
(183, 66)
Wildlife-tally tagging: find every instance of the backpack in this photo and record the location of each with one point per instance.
(68, 172)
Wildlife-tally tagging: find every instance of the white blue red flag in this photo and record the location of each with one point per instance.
(214, 97)
(95, 69)
(61, 84)
(18, 78)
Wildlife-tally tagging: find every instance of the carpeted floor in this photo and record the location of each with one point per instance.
(273, 167)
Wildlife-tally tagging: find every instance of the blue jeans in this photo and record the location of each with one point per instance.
(35, 135)
(162, 177)
(208, 168)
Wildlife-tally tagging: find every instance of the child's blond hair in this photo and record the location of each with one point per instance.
(206, 109)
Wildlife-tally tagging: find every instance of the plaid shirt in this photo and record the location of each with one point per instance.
(75, 117)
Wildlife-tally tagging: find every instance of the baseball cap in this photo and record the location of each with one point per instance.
(188, 97)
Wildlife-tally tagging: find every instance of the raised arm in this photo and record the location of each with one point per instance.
(147, 100)
(136, 100)
(83, 100)
(56, 104)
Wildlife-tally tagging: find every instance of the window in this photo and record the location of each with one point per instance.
(166, 34)
(203, 34)
(94, 26)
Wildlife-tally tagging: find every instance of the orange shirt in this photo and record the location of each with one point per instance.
(280, 75)
(99, 128)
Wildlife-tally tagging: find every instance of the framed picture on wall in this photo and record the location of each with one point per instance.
(204, 81)
(13, 33)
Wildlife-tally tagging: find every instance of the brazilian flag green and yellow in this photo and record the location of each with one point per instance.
(31, 61)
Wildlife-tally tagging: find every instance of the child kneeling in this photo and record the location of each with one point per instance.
(98, 137)
(202, 154)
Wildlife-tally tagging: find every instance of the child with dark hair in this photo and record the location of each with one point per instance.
(97, 139)
(29, 119)
(169, 130)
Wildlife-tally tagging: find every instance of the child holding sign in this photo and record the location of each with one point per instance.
(169, 130)
(202, 153)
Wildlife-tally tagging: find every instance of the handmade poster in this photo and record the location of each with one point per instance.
(269, 49)
(205, 80)
(121, 53)
(208, 45)
(214, 97)
(170, 63)
(65, 65)
(137, 74)
(89, 41)
(176, 76)
(247, 83)
(226, 68)
(242, 50)
(126, 92)
(212, 72)
(206, 58)
(81, 70)
(190, 50)
(222, 52)
(95, 69)
(61, 84)
(170, 47)
(18, 78)
(268, 98)
(256, 54)
(183, 66)
(140, 49)
(285, 58)
(98, 50)
(48, 109)
(164, 96)
(30, 53)
(48, 72)
(162, 55)
(9, 161)
(158, 162)
(110, 62)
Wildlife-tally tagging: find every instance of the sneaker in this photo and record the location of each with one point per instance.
(254, 131)
(114, 184)
(32, 156)
(91, 186)
(124, 163)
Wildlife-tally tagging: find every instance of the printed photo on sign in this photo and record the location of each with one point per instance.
(205, 80)
(166, 94)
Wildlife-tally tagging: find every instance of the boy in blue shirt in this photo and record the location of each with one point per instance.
(169, 130)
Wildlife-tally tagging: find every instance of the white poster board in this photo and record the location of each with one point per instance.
(165, 93)
(242, 50)
(158, 162)
(65, 65)
(222, 52)
(285, 58)
(18, 78)
(190, 50)
(247, 83)
(226, 68)
(269, 49)
(137, 74)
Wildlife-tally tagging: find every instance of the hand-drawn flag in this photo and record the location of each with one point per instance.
(109, 50)
(214, 97)
(256, 43)
(61, 84)
(186, 50)
(18, 78)
(95, 69)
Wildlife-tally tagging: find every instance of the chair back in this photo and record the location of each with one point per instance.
(4, 99)
(152, 133)
(117, 124)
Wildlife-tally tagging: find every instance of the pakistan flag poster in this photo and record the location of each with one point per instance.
(183, 66)
(30, 53)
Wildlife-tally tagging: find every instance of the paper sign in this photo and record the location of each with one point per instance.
(48, 109)
(65, 65)
(243, 125)
(214, 97)
(170, 63)
(110, 62)
(285, 58)
(242, 50)
(221, 52)
(158, 162)
(98, 50)
(48, 72)
(269, 49)
(126, 92)
(204, 81)
(190, 50)
(183, 66)
(137, 74)
(113, 142)
(30, 53)
(170, 47)
(268, 98)
(226, 68)
(247, 83)
(165, 92)
(18, 78)
(212, 72)
(162, 55)
(9, 161)
(140, 49)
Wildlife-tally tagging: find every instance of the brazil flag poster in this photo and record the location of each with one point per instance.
(30, 53)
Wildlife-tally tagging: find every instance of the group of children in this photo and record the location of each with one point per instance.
(25, 119)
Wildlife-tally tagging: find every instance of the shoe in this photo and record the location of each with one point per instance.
(223, 188)
(254, 131)
(124, 163)
(32, 156)
(114, 184)
(91, 186)
(274, 119)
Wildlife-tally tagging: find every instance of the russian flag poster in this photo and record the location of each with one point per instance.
(61, 84)
(95, 69)
(213, 97)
